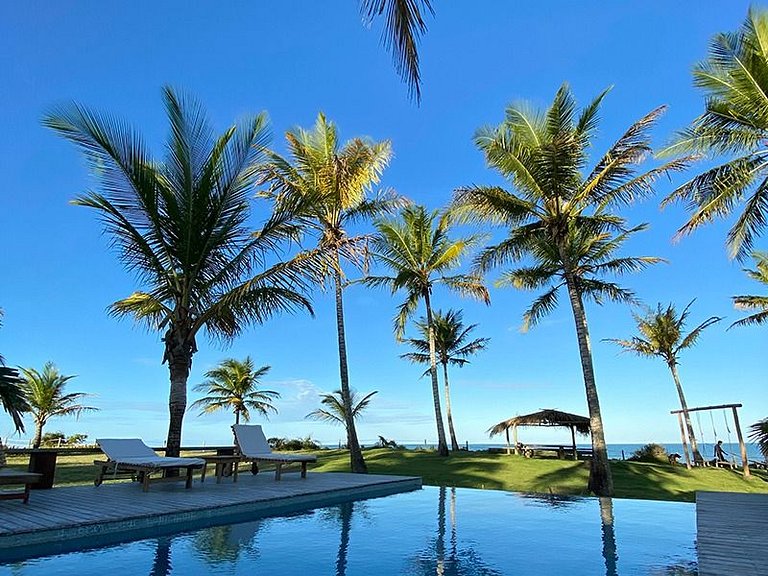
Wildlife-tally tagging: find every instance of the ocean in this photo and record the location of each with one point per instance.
(624, 451)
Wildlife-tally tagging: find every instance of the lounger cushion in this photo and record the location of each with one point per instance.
(134, 452)
(253, 445)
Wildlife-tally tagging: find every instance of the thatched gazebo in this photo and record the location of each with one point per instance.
(545, 417)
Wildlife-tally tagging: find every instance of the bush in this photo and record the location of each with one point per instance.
(293, 444)
(384, 443)
(650, 453)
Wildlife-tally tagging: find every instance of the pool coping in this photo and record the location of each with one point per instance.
(21, 543)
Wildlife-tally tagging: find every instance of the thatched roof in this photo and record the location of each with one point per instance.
(545, 417)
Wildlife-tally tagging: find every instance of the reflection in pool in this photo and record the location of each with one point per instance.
(436, 531)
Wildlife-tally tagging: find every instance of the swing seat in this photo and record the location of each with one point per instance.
(722, 464)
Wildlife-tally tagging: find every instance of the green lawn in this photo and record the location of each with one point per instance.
(501, 472)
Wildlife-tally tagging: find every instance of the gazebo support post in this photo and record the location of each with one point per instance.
(507, 435)
(742, 447)
(573, 440)
(685, 442)
(514, 437)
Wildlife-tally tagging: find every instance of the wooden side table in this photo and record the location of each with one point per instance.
(220, 462)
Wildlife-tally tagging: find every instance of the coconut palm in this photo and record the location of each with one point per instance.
(734, 78)
(418, 251)
(661, 333)
(560, 215)
(326, 184)
(404, 25)
(757, 304)
(44, 392)
(335, 408)
(451, 347)
(181, 224)
(758, 433)
(233, 384)
(11, 395)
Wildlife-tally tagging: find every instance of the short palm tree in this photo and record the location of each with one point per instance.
(452, 348)
(234, 385)
(326, 185)
(758, 433)
(661, 333)
(334, 408)
(734, 78)
(559, 215)
(758, 305)
(44, 392)
(418, 251)
(181, 224)
(11, 395)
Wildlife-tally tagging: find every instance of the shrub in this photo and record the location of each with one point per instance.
(293, 443)
(650, 453)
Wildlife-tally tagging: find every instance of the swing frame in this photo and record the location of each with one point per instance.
(737, 425)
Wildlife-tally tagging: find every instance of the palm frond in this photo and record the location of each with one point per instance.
(404, 25)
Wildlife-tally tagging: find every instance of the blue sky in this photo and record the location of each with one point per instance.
(294, 59)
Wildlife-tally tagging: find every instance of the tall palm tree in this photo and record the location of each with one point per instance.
(734, 78)
(335, 408)
(451, 346)
(326, 184)
(11, 395)
(418, 251)
(234, 384)
(757, 304)
(662, 334)
(559, 214)
(181, 224)
(44, 392)
(403, 27)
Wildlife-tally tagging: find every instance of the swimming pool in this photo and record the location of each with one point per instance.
(448, 531)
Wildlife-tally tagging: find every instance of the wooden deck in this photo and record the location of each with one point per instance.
(82, 512)
(731, 533)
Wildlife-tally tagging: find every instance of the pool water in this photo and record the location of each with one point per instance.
(437, 531)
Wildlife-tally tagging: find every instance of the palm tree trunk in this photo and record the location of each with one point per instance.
(442, 445)
(448, 414)
(600, 479)
(356, 460)
(38, 434)
(697, 459)
(179, 348)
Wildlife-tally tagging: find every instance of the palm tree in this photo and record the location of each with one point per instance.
(335, 410)
(181, 224)
(734, 78)
(662, 334)
(233, 384)
(44, 392)
(752, 303)
(451, 347)
(758, 433)
(325, 184)
(418, 250)
(559, 215)
(403, 27)
(11, 395)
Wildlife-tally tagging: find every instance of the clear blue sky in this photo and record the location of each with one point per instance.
(294, 59)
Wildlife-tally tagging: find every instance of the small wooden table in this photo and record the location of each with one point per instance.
(16, 477)
(221, 463)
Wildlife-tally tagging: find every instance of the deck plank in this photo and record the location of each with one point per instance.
(74, 512)
(730, 531)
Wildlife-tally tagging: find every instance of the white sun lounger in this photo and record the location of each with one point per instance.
(132, 456)
(253, 447)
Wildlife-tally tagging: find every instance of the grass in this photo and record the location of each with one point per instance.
(500, 472)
